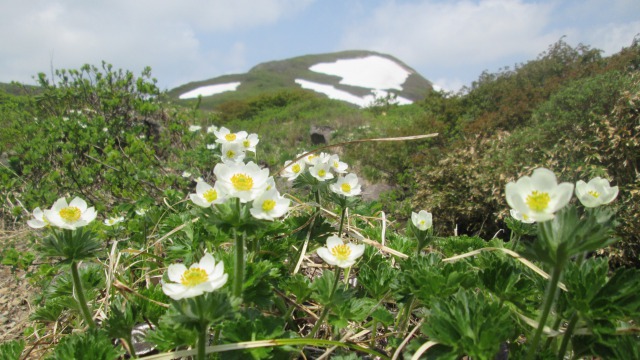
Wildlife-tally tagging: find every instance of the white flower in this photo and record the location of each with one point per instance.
(70, 215)
(271, 184)
(244, 181)
(521, 217)
(269, 205)
(293, 169)
(206, 195)
(423, 220)
(232, 152)
(224, 135)
(338, 166)
(596, 192)
(141, 211)
(347, 185)
(313, 158)
(205, 276)
(211, 146)
(199, 179)
(250, 142)
(321, 171)
(186, 174)
(113, 220)
(340, 254)
(39, 220)
(105, 129)
(194, 128)
(539, 196)
(211, 129)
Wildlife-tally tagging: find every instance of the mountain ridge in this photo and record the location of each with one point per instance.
(283, 74)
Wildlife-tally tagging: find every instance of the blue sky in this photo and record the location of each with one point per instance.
(448, 42)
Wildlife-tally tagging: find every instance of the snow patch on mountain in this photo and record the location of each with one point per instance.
(210, 90)
(373, 72)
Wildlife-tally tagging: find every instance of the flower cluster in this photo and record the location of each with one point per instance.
(324, 168)
(246, 182)
(539, 196)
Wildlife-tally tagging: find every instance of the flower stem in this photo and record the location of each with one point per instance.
(202, 341)
(344, 210)
(78, 293)
(325, 311)
(238, 274)
(567, 335)
(552, 289)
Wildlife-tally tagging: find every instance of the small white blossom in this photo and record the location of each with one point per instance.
(39, 220)
(244, 181)
(113, 220)
(339, 254)
(206, 195)
(194, 128)
(337, 166)
(186, 174)
(201, 277)
(521, 217)
(422, 220)
(596, 192)
(211, 146)
(538, 197)
(293, 169)
(70, 215)
(250, 142)
(269, 205)
(224, 135)
(233, 152)
(321, 171)
(346, 186)
(211, 129)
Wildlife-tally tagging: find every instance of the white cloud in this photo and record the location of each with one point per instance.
(164, 34)
(450, 33)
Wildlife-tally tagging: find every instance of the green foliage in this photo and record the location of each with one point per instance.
(470, 323)
(11, 350)
(92, 344)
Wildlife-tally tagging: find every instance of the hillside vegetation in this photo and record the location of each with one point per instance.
(114, 139)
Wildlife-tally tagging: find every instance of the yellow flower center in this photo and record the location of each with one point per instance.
(594, 193)
(193, 277)
(341, 252)
(268, 205)
(346, 188)
(242, 182)
(423, 223)
(230, 137)
(295, 168)
(538, 201)
(210, 195)
(246, 143)
(322, 173)
(70, 214)
(311, 157)
(231, 154)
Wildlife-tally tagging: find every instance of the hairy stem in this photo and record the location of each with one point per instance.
(78, 294)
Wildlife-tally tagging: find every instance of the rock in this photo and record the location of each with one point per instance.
(320, 134)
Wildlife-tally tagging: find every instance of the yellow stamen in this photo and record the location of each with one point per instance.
(193, 277)
(70, 214)
(322, 173)
(242, 182)
(594, 193)
(346, 188)
(231, 154)
(538, 201)
(230, 137)
(295, 168)
(210, 195)
(341, 252)
(268, 205)
(246, 143)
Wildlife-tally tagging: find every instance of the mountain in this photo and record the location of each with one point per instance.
(357, 77)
